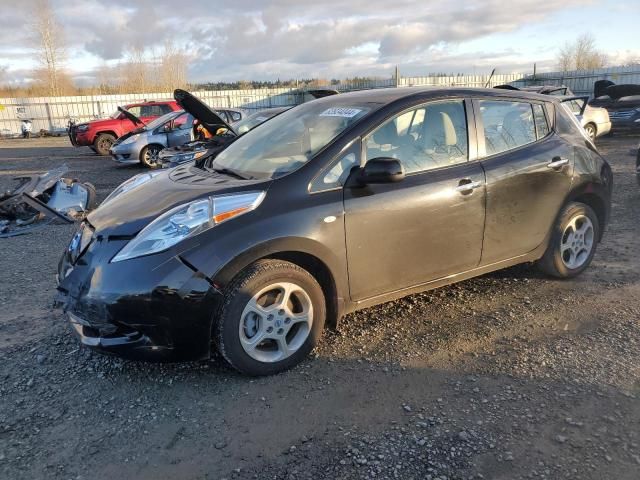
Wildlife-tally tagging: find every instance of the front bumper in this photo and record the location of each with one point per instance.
(80, 139)
(150, 308)
(128, 153)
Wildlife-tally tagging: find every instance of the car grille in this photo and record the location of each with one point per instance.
(621, 114)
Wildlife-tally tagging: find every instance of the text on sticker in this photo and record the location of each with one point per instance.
(341, 112)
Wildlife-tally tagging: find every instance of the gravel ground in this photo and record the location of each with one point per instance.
(508, 376)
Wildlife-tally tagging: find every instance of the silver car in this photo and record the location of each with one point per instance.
(144, 145)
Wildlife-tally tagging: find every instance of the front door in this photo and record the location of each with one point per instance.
(181, 131)
(528, 170)
(428, 225)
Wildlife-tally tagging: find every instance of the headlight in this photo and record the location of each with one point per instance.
(130, 184)
(131, 139)
(187, 157)
(83, 127)
(186, 221)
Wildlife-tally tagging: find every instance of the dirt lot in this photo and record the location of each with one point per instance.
(507, 376)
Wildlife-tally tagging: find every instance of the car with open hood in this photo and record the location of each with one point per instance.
(100, 134)
(222, 133)
(335, 205)
(143, 145)
(622, 102)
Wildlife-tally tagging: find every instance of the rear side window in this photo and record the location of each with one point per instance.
(155, 110)
(542, 126)
(507, 125)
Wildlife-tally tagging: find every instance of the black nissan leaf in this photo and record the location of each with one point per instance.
(335, 205)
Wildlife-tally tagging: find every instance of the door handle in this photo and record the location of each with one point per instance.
(467, 186)
(557, 163)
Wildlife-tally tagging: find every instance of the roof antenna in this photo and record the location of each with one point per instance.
(490, 77)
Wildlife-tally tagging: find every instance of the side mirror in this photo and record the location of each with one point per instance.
(382, 170)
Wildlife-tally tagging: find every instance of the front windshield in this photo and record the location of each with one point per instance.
(289, 140)
(254, 120)
(163, 119)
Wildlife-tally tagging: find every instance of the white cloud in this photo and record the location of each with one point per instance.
(283, 38)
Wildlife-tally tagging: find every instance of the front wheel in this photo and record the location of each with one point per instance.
(272, 317)
(103, 143)
(573, 242)
(150, 156)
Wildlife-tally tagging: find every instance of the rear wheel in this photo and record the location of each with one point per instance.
(573, 242)
(103, 143)
(149, 156)
(591, 130)
(272, 317)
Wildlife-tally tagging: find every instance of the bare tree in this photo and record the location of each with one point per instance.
(173, 65)
(581, 54)
(49, 41)
(137, 72)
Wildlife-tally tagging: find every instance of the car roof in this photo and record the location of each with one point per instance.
(385, 96)
(150, 102)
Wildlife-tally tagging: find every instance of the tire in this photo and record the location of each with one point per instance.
(568, 256)
(103, 143)
(238, 324)
(591, 130)
(149, 156)
(92, 197)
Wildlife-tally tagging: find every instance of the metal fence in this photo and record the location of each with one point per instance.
(53, 113)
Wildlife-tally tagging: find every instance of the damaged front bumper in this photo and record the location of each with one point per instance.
(150, 308)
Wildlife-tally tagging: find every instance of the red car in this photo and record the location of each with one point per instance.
(100, 134)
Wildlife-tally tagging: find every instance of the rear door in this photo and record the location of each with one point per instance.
(428, 225)
(528, 171)
(150, 111)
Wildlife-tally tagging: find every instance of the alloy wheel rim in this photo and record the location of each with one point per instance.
(105, 144)
(276, 322)
(591, 132)
(151, 156)
(577, 241)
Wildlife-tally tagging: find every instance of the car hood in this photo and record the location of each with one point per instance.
(128, 213)
(130, 116)
(210, 119)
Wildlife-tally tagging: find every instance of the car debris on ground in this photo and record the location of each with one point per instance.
(39, 200)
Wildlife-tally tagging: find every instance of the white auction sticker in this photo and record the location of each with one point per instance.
(341, 112)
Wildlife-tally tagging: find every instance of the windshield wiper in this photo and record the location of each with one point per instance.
(231, 173)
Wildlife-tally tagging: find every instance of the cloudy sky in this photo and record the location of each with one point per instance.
(262, 39)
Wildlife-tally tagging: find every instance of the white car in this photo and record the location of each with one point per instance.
(595, 120)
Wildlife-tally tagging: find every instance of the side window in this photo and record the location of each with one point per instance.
(135, 110)
(507, 125)
(542, 127)
(183, 122)
(428, 137)
(152, 111)
(164, 108)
